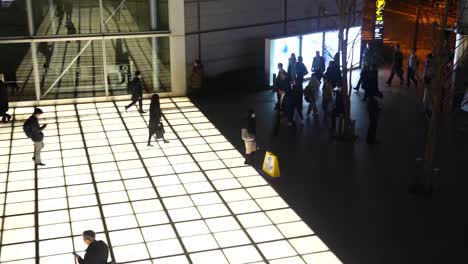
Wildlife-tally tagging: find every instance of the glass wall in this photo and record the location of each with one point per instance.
(70, 17)
(16, 70)
(280, 49)
(330, 47)
(13, 18)
(150, 56)
(79, 53)
(310, 45)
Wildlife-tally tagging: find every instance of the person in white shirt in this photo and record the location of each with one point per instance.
(413, 63)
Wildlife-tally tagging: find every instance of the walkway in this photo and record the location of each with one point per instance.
(189, 201)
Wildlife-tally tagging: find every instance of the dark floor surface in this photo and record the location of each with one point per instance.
(355, 197)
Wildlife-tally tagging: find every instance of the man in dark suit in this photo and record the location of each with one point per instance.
(136, 86)
(97, 251)
(34, 131)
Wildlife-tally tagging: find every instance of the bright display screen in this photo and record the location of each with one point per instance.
(280, 52)
(306, 45)
(310, 44)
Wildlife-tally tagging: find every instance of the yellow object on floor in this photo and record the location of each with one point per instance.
(271, 165)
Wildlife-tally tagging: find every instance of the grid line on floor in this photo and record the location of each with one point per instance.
(189, 201)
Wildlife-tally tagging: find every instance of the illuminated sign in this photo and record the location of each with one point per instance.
(379, 19)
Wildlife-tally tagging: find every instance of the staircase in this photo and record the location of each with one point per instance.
(85, 74)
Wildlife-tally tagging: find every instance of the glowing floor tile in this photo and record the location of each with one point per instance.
(54, 231)
(295, 229)
(22, 196)
(254, 220)
(198, 187)
(199, 243)
(147, 206)
(205, 198)
(276, 250)
(18, 235)
(53, 204)
(222, 224)
(177, 202)
(55, 246)
(53, 217)
(83, 200)
(184, 214)
(306, 245)
(130, 253)
(171, 190)
(231, 238)
(243, 254)
(324, 257)
(94, 224)
(215, 256)
(171, 260)
(142, 194)
(191, 177)
(126, 237)
(214, 210)
(199, 148)
(152, 218)
(121, 222)
(155, 233)
(272, 203)
(264, 233)
(18, 252)
(292, 260)
(164, 248)
(235, 195)
(18, 221)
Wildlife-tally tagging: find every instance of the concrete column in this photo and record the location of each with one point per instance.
(177, 46)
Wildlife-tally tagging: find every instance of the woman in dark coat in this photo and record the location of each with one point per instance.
(155, 125)
(4, 103)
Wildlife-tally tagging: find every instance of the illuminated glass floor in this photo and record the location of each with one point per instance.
(189, 201)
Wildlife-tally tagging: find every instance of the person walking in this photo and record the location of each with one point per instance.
(97, 251)
(318, 66)
(196, 78)
(413, 63)
(249, 135)
(4, 103)
(310, 93)
(292, 67)
(327, 97)
(366, 62)
(301, 70)
(333, 74)
(277, 86)
(298, 99)
(136, 86)
(427, 77)
(397, 65)
(33, 131)
(155, 124)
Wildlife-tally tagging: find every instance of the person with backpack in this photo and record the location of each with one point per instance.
(33, 131)
(136, 86)
(155, 125)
